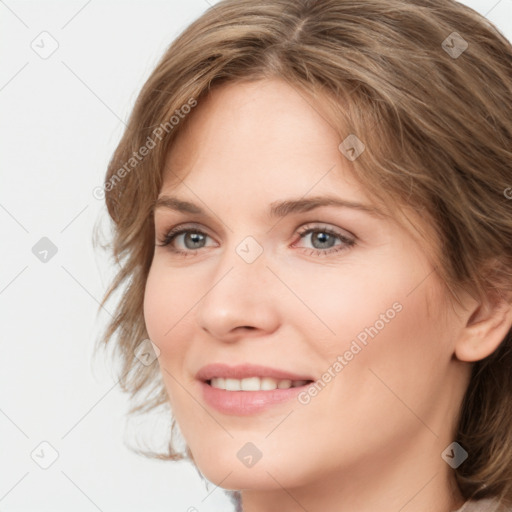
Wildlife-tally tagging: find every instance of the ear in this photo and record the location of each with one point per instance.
(487, 324)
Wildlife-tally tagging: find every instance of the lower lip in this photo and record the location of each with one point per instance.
(244, 403)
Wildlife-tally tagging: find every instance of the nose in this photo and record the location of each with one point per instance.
(240, 299)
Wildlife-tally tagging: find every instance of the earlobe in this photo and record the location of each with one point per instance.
(486, 327)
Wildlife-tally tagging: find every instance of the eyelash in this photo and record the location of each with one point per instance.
(303, 232)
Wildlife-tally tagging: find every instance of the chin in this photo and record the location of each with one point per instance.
(225, 469)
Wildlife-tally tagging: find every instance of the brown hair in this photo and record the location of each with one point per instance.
(434, 110)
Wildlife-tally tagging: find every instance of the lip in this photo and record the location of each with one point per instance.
(244, 403)
(243, 371)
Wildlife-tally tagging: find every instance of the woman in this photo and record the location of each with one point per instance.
(312, 213)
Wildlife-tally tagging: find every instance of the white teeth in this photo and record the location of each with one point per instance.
(255, 384)
(268, 384)
(232, 384)
(284, 384)
(250, 384)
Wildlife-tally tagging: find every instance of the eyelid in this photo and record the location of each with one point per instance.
(315, 225)
(347, 242)
(178, 229)
(200, 227)
(319, 226)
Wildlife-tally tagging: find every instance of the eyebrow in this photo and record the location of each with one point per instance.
(278, 209)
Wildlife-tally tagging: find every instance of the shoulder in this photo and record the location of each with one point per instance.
(236, 499)
(485, 505)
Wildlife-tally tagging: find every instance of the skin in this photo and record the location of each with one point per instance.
(372, 438)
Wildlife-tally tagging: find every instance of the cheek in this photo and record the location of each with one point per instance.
(155, 303)
(399, 358)
(165, 307)
(165, 317)
(381, 315)
(339, 303)
(169, 300)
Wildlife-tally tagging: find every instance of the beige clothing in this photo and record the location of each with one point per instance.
(487, 505)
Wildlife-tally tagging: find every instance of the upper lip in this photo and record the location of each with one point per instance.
(246, 370)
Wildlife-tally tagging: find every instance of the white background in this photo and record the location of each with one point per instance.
(61, 118)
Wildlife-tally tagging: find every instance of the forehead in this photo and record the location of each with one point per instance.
(265, 135)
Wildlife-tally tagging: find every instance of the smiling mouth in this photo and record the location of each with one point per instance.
(255, 383)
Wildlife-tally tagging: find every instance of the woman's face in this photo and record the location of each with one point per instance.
(264, 276)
